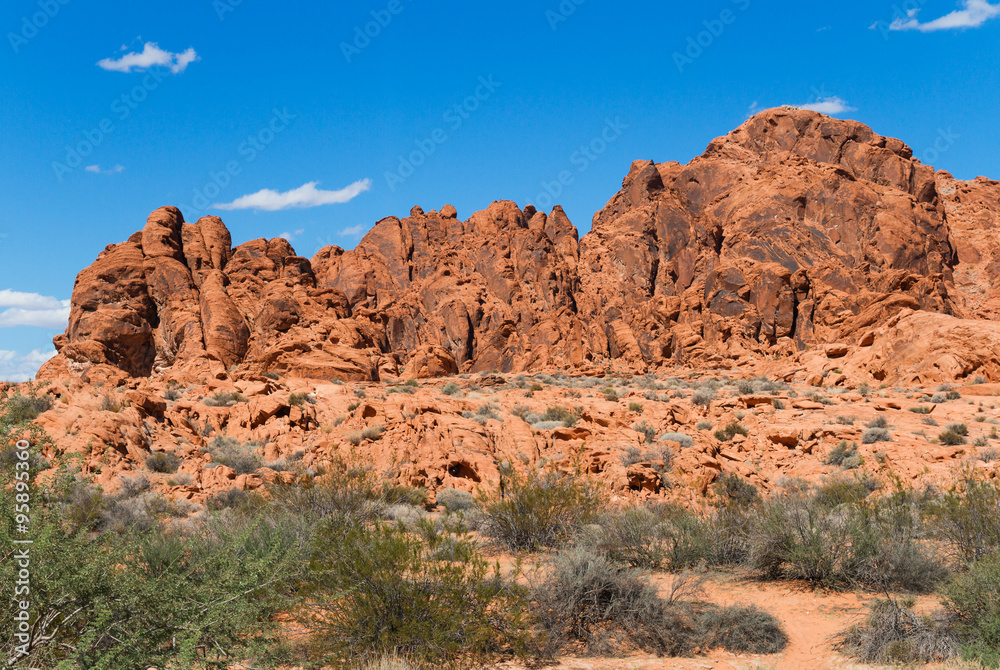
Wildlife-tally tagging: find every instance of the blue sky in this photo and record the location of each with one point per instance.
(286, 118)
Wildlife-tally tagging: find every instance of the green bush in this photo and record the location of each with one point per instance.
(635, 407)
(23, 408)
(973, 599)
(967, 517)
(376, 588)
(451, 388)
(528, 512)
(135, 600)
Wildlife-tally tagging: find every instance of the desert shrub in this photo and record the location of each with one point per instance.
(300, 399)
(879, 422)
(892, 633)
(939, 398)
(646, 430)
(587, 599)
(680, 438)
(172, 394)
(973, 600)
(354, 495)
(275, 376)
(610, 395)
(921, 409)
(455, 500)
(731, 430)
(873, 435)
(744, 387)
(635, 537)
(704, 425)
(735, 490)
(967, 517)
(951, 438)
(565, 416)
(234, 454)
(958, 429)
(163, 462)
(377, 588)
(182, 479)
(844, 455)
(635, 407)
(23, 408)
(741, 629)
(528, 512)
(841, 539)
(846, 420)
(703, 397)
(989, 455)
(451, 388)
(110, 404)
(135, 600)
(133, 486)
(233, 498)
(484, 412)
(929, 421)
(225, 399)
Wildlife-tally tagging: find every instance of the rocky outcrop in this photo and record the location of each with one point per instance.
(793, 232)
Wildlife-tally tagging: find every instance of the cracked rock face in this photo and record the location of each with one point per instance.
(794, 230)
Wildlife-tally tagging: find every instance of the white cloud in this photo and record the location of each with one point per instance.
(150, 56)
(304, 196)
(96, 169)
(354, 231)
(832, 106)
(15, 367)
(291, 236)
(32, 309)
(973, 14)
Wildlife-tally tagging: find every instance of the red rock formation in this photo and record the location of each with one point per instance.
(794, 230)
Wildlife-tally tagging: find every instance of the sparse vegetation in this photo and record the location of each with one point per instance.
(536, 510)
(163, 461)
(232, 453)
